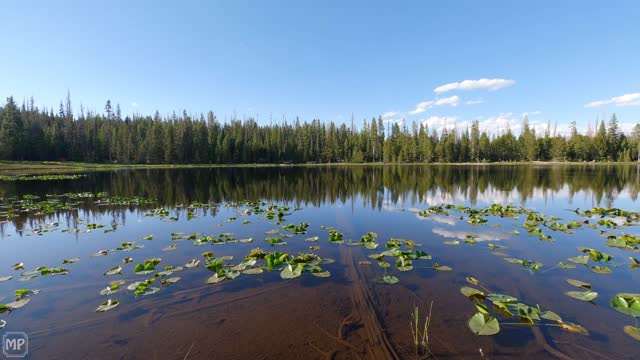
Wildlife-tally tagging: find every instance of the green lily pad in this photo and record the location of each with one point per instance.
(471, 292)
(171, 280)
(192, 263)
(582, 295)
(578, 283)
(452, 242)
(632, 331)
(321, 274)
(291, 272)
(601, 269)
(70, 261)
(390, 279)
(565, 266)
(550, 315)
(114, 270)
(108, 305)
(628, 304)
(439, 267)
(252, 271)
(501, 298)
(483, 324)
(579, 259)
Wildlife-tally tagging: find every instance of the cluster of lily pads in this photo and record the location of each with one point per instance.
(33, 205)
(40, 177)
(399, 254)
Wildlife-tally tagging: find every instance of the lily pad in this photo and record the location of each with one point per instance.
(252, 271)
(471, 292)
(565, 266)
(439, 267)
(18, 303)
(170, 247)
(632, 331)
(70, 261)
(321, 274)
(501, 298)
(192, 263)
(291, 272)
(601, 269)
(483, 324)
(215, 278)
(5, 278)
(171, 280)
(628, 304)
(17, 266)
(312, 239)
(579, 259)
(578, 283)
(582, 295)
(114, 270)
(390, 279)
(108, 305)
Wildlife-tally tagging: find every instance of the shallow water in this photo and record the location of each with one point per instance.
(352, 314)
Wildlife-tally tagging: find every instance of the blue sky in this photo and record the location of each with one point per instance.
(559, 61)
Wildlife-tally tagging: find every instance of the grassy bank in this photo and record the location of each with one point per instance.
(61, 167)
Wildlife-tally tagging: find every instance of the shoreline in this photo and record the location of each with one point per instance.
(50, 167)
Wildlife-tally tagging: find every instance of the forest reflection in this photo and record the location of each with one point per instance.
(375, 187)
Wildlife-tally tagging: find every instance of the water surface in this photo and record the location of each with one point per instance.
(352, 314)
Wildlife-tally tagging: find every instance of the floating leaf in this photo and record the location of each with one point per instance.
(439, 267)
(171, 280)
(471, 292)
(600, 269)
(245, 241)
(170, 247)
(390, 279)
(191, 264)
(252, 271)
(582, 295)
(127, 260)
(578, 283)
(102, 253)
(565, 266)
(108, 305)
(18, 266)
(501, 298)
(550, 315)
(579, 259)
(114, 270)
(70, 261)
(18, 304)
(215, 278)
(5, 278)
(452, 242)
(322, 274)
(632, 331)
(312, 239)
(628, 304)
(472, 281)
(483, 324)
(364, 262)
(291, 272)
(573, 328)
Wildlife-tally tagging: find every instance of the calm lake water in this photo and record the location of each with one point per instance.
(351, 314)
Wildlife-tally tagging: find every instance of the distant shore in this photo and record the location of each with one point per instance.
(50, 167)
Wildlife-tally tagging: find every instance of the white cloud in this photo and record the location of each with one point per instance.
(440, 122)
(474, 102)
(134, 104)
(531, 113)
(477, 235)
(489, 84)
(424, 105)
(624, 100)
(389, 114)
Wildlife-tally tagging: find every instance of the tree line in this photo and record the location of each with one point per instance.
(30, 133)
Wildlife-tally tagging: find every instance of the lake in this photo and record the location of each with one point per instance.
(338, 300)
